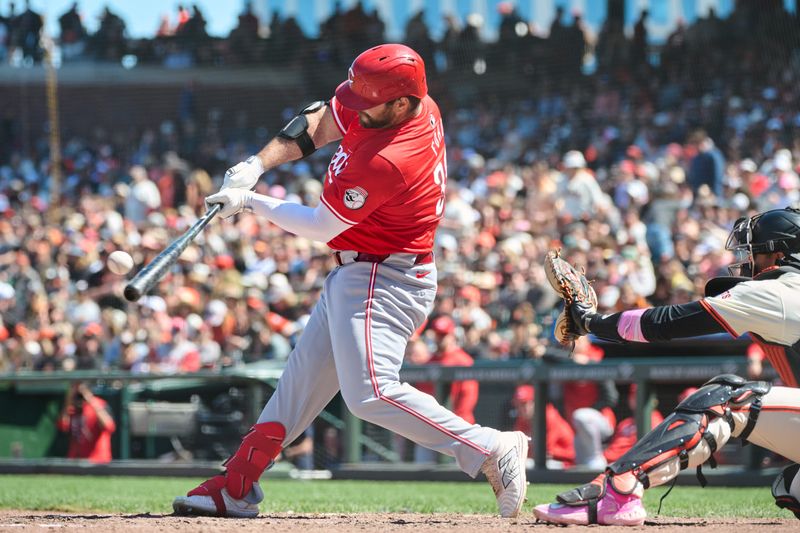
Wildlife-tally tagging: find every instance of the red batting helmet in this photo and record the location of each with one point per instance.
(381, 74)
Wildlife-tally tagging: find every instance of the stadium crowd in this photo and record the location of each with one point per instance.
(616, 171)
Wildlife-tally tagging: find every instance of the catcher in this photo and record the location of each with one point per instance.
(762, 297)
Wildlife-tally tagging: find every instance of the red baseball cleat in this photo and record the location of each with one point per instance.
(211, 498)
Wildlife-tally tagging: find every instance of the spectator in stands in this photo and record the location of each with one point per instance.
(755, 361)
(29, 28)
(640, 42)
(244, 37)
(557, 27)
(300, 452)
(193, 33)
(708, 166)
(625, 434)
(181, 353)
(463, 395)
(73, 34)
(88, 349)
(142, 197)
(612, 46)
(560, 436)
(183, 17)
(418, 37)
(5, 36)
(575, 39)
(88, 421)
(578, 190)
(7, 301)
(589, 406)
(108, 43)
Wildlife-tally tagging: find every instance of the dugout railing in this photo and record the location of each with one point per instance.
(647, 373)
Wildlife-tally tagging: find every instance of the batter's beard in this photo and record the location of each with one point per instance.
(371, 123)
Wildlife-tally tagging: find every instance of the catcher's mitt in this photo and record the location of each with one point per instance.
(573, 287)
(565, 331)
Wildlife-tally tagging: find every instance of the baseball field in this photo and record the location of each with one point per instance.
(44, 502)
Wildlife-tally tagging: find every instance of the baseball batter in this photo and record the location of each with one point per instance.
(763, 299)
(382, 200)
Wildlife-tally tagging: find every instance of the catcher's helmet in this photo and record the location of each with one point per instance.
(777, 230)
(381, 74)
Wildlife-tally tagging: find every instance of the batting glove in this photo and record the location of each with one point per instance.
(232, 200)
(244, 175)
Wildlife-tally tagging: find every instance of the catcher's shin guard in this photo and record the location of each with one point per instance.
(259, 447)
(782, 489)
(698, 427)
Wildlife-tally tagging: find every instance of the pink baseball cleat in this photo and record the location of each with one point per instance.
(594, 503)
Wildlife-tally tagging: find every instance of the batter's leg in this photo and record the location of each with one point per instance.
(373, 311)
(308, 383)
(371, 322)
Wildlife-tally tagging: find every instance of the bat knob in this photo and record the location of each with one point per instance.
(132, 293)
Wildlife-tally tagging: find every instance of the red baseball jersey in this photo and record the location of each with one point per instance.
(389, 183)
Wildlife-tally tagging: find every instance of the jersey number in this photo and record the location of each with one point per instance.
(440, 179)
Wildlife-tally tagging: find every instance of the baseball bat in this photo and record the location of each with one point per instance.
(146, 278)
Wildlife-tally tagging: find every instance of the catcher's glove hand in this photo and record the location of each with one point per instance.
(580, 300)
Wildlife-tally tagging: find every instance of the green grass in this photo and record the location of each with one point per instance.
(154, 495)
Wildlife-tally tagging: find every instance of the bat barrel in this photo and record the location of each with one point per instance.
(158, 267)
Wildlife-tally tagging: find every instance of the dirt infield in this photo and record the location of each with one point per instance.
(16, 521)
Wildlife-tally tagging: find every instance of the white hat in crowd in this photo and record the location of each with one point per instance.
(215, 312)
(574, 159)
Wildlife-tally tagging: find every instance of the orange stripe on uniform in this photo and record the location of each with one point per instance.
(782, 408)
(777, 357)
(715, 314)
(787, 375)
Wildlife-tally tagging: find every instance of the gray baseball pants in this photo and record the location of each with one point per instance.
(355, 342)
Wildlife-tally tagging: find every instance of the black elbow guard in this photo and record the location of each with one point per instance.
(297, 129)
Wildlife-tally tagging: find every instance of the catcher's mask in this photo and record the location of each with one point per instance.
(772, 231)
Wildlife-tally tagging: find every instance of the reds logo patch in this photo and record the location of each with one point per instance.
(355, 198)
